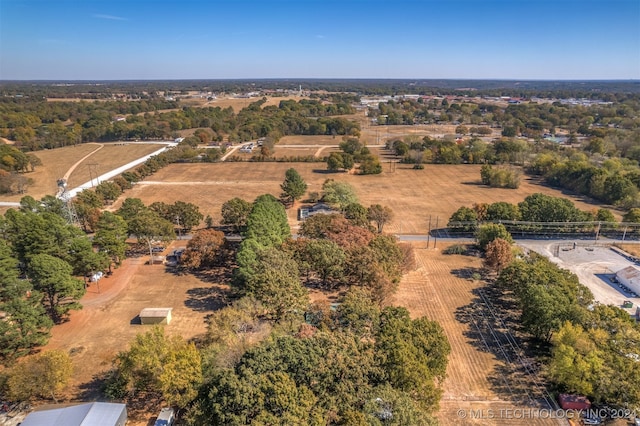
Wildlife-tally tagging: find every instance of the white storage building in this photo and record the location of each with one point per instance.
(630, 277)
(155, 316)
(91, 414)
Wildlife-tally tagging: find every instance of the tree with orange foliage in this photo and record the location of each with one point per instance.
(498, 254)
(203, 248)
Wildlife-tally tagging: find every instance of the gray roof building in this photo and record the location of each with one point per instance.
(90, 414)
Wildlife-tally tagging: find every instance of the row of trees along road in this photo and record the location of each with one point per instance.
(587, 348)
(272, 357)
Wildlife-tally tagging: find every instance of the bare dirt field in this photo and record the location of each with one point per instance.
(481, 387)
(56, 162)
(108, 321)
(414, 195)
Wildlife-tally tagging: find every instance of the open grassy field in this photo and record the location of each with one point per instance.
(478, 378)
(310, 140)
(56, 163)
(238, 103)
(414, 195)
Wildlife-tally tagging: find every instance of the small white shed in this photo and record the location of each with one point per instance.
(155, 316)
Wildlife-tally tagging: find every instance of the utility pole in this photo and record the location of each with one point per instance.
(435, 237)
(429, 232)
(93, 170)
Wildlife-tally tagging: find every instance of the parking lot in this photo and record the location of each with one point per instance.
(594, 265)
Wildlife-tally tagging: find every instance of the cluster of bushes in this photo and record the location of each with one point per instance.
(500, 176)
(353, 151)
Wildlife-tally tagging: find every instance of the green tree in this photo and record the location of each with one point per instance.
(109, 191)
(267, 223)
(110, 237)
(356, 213)
(575, 360)
(293, 187)
(148, 227)
(52, 276)
(358, 312)
(492, 231)
(235, 212)
(545, 208)
(165, 365)
(26, 323)
(326, 258)
(339, 194)
(413, 355)
(43, 375)
(275, 281)
(502, 211)
(131, 207)
(186, 215)
(632, 216)
(463, 220)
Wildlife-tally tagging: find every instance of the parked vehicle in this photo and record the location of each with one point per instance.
(165, 418)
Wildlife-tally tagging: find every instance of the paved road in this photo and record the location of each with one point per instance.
(115, 172)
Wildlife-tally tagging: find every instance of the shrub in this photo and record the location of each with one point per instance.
(455, 249)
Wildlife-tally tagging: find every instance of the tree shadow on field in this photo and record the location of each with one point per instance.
(466, 273)
(474, 183)
(328, 172)
(206, 299)
(92, 390)
(493, 327)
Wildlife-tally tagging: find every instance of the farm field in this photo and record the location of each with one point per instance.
(478, 377)
(56, 163)
(238, 103)
(414, 195)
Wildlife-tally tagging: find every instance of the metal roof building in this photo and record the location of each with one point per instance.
(91, 414)
(630, 277)
(155, 316)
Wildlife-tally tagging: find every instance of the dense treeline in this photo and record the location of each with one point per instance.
(593, 347)
(530, 215)
(520, 88)
(585, 348)
(38, 124)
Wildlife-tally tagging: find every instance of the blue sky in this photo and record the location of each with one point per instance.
(194, 39)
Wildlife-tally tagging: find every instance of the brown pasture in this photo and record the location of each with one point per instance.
(474, 375)
(310, 140)
(112, 156)
(414, 195)
(56, 163)
(238, 103)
